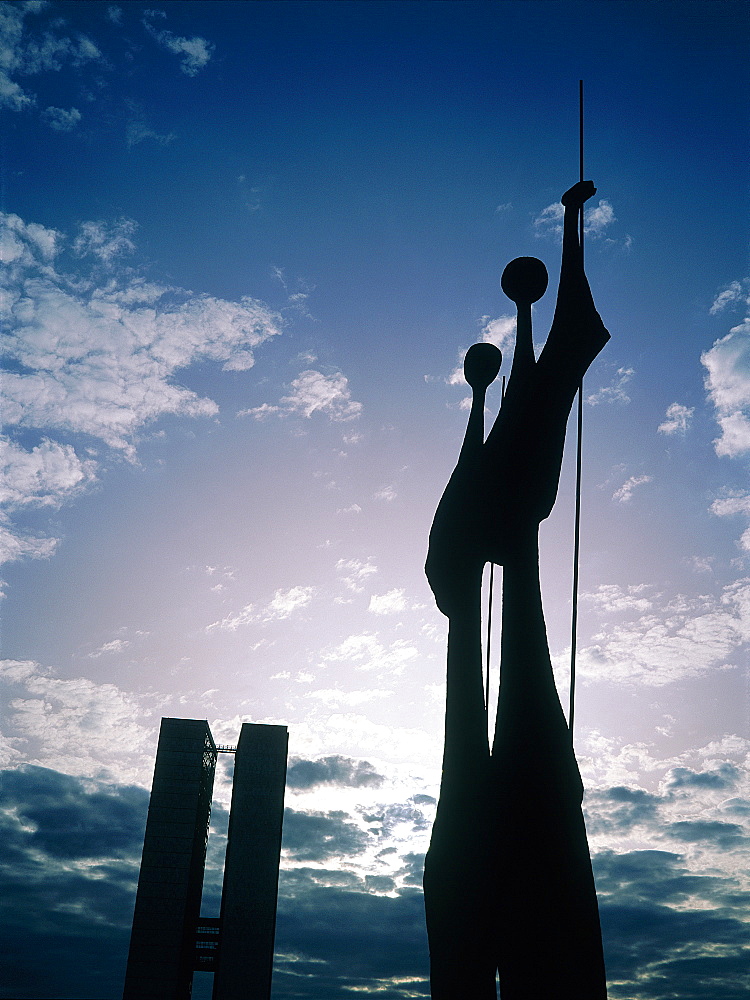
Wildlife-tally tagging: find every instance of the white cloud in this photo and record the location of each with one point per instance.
(728, 383)
(615, 391)
(727, 506)
(364, 651)
(44, 476)
(354, 572)
(286, 602)
(195, 52)
(501, 331)
(75, 725)
(606, 761)
(625, 493)
(138, 129)
(353, 508)
(388, 603)
(313, 392)
(283, 605)
(99, 357)
(736, 291)
(61, 120)
(457, 377)
(550, 219)
(730, 506)
(356, 735)
(259, 412)
(597, 219)
(114, 646)
(105, 240)
(700, 564)
(387, 493)
(102, 358)
(609, 597)
(23, 244)
(52, 52)
(677, 420)
(334, 697)
(683, 639)
(14, 546)
(24, 52)
(246, 616)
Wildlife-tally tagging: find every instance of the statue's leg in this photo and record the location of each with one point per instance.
(548, 942)
(548, 935)
(457, 881)
(460, 914)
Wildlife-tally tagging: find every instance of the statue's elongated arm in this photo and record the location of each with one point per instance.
(455, 575)
(457, 886)
(454, 561)
(577, 333)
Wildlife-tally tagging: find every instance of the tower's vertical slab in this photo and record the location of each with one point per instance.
(251, 870)
(162, 943)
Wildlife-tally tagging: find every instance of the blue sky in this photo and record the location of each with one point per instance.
(246, 246)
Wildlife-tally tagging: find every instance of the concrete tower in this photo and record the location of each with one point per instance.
(170, 940)
(167, 906)
(251, 869)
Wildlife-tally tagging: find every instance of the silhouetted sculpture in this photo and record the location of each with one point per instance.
(508, 883)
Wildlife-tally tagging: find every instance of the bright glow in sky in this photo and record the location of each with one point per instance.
(246, 246)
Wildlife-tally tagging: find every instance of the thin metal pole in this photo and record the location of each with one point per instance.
(580, 156)
(577, 528)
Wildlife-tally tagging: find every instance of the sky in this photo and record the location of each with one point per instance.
(246, 246)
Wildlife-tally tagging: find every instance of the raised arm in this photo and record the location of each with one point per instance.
(454, 558)
(577, 333)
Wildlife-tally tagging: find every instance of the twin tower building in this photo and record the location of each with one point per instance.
(170, 940)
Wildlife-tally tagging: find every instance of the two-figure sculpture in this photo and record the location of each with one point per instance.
(508, 883)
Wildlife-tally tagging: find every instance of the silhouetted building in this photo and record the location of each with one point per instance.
(170, 940)
(251, 869)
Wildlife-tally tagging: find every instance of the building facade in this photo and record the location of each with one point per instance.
(170, 940)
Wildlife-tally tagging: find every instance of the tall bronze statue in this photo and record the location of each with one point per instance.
(508, 884)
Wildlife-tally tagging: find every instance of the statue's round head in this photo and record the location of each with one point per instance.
(524, 279)
(481, 365)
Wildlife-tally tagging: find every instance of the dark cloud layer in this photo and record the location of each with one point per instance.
(620, 809)
(69, 867)
(317, 836)
(721, 835)
(656, 950)
(334, 941)
(725, 776)
(383, 818)
(336, 770)
(68, 872)
(66, 819)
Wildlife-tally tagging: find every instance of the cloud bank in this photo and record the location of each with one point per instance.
(95, 355)
(727, 379)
